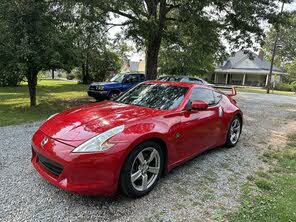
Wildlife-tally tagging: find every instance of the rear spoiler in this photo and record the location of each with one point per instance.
(233, 90)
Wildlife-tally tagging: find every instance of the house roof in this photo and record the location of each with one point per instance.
(247, 62)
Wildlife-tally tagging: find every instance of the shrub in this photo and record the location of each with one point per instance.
(293, 84)
(70, 76)
(283, 86)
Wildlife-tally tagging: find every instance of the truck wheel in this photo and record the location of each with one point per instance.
(113, 94)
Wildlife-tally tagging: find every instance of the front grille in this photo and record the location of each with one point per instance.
(51, 166)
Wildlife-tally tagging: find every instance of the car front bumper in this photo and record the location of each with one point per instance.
(98, 94)
(83, 173)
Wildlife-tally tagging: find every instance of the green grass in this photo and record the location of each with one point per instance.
(263, 91)
(271, 196)
(52, 96)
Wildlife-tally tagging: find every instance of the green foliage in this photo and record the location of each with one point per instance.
(153, 23)
(34, 39)
(276, 197)
(103, 64)
(40, 35)
(100, 65)
(284, 86)
(264, 184)
(189, 55)
(10, 77)
(293, 86)
(291, 70)
(287, 40)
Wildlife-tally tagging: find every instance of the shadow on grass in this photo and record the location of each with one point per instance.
(7, 93)
(10, 115)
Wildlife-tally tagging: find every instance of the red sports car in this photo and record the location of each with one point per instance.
(128, 143)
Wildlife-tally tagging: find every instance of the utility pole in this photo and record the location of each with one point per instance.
(273, 55)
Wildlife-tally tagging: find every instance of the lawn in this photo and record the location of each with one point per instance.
(261, 90)
(271, 195)
(52, 96)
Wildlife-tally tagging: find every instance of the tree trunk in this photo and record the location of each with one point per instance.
(87, 73)
(152, 50)
(32, 83)
(84, 79)
(52, 73)
(154, 42)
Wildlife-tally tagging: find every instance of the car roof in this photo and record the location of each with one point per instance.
(183, 84)
(132, 73)
(180, 77)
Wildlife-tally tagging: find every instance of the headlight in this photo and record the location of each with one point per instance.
(100, 87)
(52, 116)
(99, 142)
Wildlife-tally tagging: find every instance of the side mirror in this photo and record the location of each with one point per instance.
(199, 105)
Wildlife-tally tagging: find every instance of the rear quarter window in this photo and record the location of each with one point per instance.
(217, 96)
(202, 94)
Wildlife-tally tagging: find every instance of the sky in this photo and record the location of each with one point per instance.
(136, 56)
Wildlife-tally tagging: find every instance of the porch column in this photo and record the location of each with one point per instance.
(215, 79)
(244, 79)
(226, 81)
(266, 82)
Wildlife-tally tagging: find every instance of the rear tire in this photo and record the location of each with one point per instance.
(234, 132)
(142, 170)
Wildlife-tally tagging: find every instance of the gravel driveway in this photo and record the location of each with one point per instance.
(204, 189)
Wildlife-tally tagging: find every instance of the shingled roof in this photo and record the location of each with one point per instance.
(247, 62)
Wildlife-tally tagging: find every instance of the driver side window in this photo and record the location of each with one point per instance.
(205, 95)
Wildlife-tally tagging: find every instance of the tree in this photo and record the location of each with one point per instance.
(189, 55)
(287, 39)
(90, 41)
(31, 26)
(10, 72)
(148, 22)
(291, 70)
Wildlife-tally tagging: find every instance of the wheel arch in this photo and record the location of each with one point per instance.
(157, 140)
(240, 116)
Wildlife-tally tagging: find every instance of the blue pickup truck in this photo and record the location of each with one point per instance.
(119, 83)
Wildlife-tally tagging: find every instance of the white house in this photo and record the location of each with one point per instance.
(246, 68)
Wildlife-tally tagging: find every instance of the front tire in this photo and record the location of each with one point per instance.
(234, 132)
(113, 95)
(142, 170)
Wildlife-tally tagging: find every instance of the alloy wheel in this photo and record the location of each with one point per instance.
(235, 131)
(145, 169)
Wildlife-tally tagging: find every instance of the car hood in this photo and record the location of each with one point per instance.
(79, 124)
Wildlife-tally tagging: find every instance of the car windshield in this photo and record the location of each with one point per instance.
(118, 78)
(159, 96)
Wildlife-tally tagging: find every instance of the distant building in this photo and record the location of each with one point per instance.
(133, 66)
(246, 68)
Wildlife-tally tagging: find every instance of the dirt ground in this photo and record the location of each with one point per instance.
(204, 189)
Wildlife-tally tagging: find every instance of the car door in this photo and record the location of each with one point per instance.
(200, 129)
(130, 81)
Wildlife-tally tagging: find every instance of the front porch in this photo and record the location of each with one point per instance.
(258, 80)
